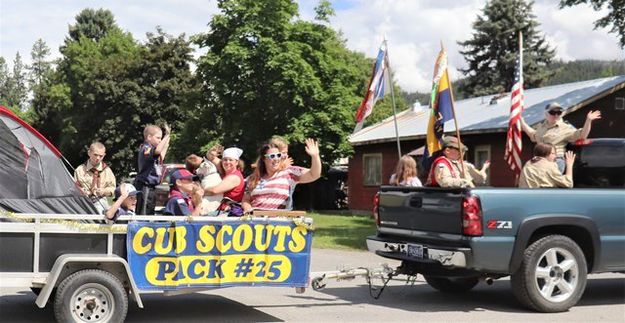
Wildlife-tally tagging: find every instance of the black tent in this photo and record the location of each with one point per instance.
(33, 178)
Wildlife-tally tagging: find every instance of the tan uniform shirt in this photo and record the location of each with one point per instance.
(558, 135)
(446, 178)
(539, 172)
(84, 177)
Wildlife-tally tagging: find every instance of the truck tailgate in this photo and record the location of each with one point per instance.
(417, 209)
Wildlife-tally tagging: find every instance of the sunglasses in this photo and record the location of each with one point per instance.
(273, 156)
(554, 112)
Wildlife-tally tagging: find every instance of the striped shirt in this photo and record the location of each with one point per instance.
(273, 193)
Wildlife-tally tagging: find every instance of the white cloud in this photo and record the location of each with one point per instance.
(414, 29)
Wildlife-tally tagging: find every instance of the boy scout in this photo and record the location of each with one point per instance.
(150, 157)
(95, 178)
(542, 171)
(445, 171)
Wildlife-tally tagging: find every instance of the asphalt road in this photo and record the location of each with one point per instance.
(347, 301)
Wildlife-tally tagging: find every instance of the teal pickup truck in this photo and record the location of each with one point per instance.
(546, 240)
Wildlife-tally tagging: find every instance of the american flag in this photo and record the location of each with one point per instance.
(379, 85)
(514, 142)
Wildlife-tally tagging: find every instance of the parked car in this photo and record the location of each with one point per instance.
(162, 190)
(547, 240)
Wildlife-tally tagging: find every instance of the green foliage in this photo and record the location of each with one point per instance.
(13, 85)
(567, 72)
(92, 24)
(266, 73)
(493, 49)
(107, 87)
(412, 97)
(615, 16)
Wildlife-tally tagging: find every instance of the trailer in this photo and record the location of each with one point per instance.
(87, 271)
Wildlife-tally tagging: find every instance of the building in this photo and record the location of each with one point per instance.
(483, 123)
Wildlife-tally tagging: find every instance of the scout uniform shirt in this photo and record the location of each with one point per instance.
(150, 171)
(558, 135)
(446, 177)
(539, 172)
(90, 177)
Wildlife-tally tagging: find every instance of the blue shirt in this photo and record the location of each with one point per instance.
(179, 204)
(149, 170)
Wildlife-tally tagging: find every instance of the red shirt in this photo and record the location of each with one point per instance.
(236, 194)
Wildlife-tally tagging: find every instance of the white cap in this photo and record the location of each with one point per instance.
(233, 152)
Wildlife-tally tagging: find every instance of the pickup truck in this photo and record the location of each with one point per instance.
(547, 240)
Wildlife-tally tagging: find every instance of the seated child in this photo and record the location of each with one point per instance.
(185, 195)
(125, 202)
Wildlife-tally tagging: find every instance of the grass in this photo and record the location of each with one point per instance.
(341, 231)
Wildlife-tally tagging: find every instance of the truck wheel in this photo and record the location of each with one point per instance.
(452, 285)
(91, 295)
(552, 276)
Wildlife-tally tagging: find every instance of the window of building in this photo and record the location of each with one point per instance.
(619, 104)
(481, 155)
(372, 168)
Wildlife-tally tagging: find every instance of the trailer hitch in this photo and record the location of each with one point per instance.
(385, 273)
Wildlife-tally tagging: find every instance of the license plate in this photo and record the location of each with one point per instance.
(414, 250)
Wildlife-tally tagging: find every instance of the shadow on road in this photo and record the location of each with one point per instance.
(497, 297)
(181, 308)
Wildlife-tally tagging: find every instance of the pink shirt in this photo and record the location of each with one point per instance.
(273, 193)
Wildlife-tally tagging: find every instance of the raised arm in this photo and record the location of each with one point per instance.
(312, 174)
(529, 131)
(163, 146)
(590, 117)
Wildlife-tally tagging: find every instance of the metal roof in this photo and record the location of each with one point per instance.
(478, 115)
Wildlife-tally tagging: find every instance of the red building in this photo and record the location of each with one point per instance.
(483, 123)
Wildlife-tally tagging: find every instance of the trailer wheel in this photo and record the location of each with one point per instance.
(91, 295)
(552, 276)
(451, 285)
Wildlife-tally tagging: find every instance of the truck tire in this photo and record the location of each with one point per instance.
(452, 285)
(91, 295)
(552, 275)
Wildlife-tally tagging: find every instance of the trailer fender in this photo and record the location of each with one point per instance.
(64, 260)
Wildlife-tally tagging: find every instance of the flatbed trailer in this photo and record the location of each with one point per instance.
(80, 264)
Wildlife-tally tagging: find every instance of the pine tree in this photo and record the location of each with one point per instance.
(492, 51)
(16, 89)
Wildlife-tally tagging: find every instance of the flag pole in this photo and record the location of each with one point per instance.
(453, 110)
(517, 174)
(390, 77)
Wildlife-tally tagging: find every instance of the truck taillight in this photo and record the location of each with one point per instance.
(376, 205)
(472, 216)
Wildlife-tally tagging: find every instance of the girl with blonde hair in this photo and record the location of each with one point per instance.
(406, 173)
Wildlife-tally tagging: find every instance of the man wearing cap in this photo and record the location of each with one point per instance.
(184, 194)
(445, 171)
(553, 130)
(125, 202)
(95, 178)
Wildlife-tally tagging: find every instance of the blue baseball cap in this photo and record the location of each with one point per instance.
(181, 174)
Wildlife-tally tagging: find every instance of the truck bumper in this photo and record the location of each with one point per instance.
(447, 257)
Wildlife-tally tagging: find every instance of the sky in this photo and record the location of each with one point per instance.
(414, 29)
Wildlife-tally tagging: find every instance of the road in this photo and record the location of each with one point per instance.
(348, 301)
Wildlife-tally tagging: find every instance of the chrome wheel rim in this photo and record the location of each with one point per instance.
(92, 303)
(556, 275)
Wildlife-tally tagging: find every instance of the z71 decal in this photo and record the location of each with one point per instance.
(494, 224)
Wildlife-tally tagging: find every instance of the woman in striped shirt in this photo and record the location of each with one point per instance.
(269, 186)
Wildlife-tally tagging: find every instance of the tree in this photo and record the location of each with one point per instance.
(15, 86)
(267, 73)
(492, 51)
(40, 67)
(92, 24)
(4, 82)
(615, 17)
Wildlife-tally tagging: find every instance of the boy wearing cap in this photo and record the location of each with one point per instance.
(553, 130)
(125, 202)
(445, 171)
(150, 158)
(184, 194)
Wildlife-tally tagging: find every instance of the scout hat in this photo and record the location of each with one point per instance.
(132, 191)
(553, 106)
(451, 141)
(181, 174)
